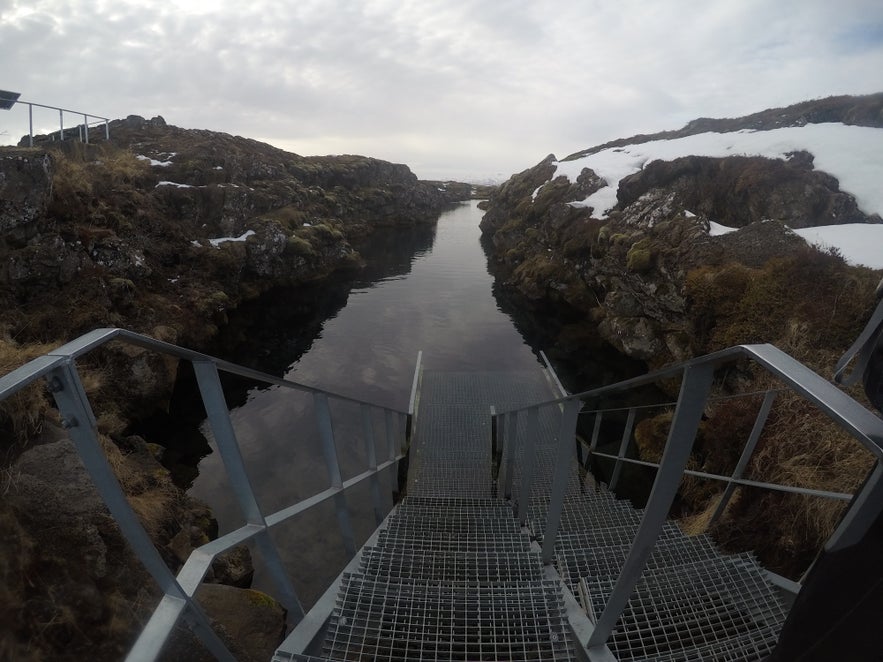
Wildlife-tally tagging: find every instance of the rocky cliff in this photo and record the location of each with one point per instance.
(652, 278)
(161, 230)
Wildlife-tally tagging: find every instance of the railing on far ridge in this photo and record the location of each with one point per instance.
(60, 371)
(696, 382)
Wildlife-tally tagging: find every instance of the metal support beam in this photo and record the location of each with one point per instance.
(596, 431)
(371, 453)
(862, 513)
(623, 448)
(329, 451)
(563, 467)
(695, 388)
(228, 448)
(511, 428)
(527, 463)
(747, 452)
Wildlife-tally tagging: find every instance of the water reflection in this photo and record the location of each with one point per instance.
(435, 296)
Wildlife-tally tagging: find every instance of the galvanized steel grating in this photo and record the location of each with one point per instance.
(692, 605)
(469, 567)
(396, 620)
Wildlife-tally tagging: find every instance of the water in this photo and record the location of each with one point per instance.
(431, 293)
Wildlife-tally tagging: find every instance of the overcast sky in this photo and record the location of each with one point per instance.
(462, 89)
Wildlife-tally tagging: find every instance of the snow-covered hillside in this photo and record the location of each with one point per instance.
(852, 154)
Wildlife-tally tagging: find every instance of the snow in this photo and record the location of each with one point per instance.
(175, 184)
(221, 240)
(852, 154)
(858, 243)
(154, 162)
(716, 229)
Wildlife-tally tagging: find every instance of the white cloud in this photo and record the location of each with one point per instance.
(456, 85)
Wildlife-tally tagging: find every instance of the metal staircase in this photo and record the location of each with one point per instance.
(503, 548)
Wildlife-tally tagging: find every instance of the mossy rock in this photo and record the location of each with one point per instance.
(639, 260)
(300, 246)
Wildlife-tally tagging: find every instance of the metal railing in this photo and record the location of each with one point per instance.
(59, 369)
(696, 383)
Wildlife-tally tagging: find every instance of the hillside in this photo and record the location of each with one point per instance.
(659, 248)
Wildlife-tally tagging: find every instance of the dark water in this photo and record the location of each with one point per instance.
(429, 290)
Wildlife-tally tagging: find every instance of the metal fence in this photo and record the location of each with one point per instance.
(695, 390)
(59, 369)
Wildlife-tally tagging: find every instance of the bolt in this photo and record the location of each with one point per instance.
(68, 422)
(55, 385)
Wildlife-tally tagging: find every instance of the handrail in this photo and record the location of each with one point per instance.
(866, 427)
(58, 367)
(697, 377)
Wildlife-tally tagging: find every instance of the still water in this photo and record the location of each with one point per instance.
(428, 289)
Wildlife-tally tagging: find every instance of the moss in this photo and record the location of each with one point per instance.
(121, 285)
(639, 260)
(259, 599)
(300, 246)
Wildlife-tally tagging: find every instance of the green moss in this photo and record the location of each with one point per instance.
(299, 245)
(639, 260)
(259, 599)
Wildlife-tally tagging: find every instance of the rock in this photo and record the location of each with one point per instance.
(234, 567)
(737, 190)
(25, 191)
(252, 621)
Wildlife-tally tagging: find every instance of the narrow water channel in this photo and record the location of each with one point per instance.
(439, 301)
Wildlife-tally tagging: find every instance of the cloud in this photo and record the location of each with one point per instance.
(457, 86)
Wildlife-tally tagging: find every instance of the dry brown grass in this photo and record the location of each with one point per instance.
(22, 413)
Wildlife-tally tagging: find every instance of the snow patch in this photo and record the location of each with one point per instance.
(849, 153)
(153, 162)
(175, 184)
(858, 243)
(716, 229)
(222, 240)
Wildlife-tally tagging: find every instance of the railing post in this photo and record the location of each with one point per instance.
(596, 432)
(623, 448)
(77, 418)
(861, 514)
(86, 127)
(563, 467)
(747, 452)
(60, 124)
(502, 421)
(30, 125)
(329, 450)
(688, 414)
(511, 447)
(527, 466)
(371, 451)
(228, 447)
(106, 130)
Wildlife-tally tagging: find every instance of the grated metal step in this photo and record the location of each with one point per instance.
(397, 620)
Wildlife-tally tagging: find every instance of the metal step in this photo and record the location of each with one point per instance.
(399, 620)
(691, 606)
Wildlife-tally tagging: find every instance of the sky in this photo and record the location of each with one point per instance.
(473, 90)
